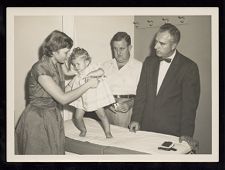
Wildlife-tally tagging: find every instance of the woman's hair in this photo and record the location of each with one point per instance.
(56, 41)
(77, 52)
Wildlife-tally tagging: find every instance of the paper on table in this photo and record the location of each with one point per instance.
(142, 141)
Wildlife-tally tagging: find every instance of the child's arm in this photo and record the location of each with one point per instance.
(96, 73)
(66, 70)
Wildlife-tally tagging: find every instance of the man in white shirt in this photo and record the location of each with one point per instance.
(169, 89)
(122, 74)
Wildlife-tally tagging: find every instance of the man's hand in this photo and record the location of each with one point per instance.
(134, 126)
(194, 144)
(122, 107)
(112, 108)
(119, 107)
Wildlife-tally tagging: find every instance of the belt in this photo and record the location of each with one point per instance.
(124, 96)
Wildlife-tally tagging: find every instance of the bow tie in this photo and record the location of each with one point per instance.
(168, 60)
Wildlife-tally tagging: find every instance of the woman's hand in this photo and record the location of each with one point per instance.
(92, 82)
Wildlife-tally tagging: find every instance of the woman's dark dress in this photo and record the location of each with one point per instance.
(40, 130)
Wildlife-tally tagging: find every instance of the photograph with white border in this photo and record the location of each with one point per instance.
(92, 29)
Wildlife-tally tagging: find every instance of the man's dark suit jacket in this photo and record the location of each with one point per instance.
(173, 110)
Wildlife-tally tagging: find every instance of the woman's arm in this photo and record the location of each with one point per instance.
(69, 86)
(56, 92)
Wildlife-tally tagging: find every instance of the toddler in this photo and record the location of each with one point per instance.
(93, 99)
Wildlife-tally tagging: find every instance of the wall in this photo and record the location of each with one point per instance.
(29, 33)
(94, 34)
(196, 44)
(91, 32)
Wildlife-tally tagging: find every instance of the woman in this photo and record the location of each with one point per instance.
(40, 129)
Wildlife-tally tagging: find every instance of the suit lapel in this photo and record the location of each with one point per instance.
(155, 75)
(170, 73)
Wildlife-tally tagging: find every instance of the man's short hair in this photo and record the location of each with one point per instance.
(121, 36)
(173, 30)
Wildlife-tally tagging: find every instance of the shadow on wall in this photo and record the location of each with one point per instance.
(152, 45)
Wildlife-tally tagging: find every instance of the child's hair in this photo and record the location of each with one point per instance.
(77, 52)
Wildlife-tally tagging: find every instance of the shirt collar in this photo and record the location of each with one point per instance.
(173, 55)
(126, 65)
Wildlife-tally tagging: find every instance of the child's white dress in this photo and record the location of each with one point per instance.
(93, 98)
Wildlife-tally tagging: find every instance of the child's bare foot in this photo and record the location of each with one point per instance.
(83, 133)
(108, 135)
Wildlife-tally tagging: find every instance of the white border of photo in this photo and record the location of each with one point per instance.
(209, 11)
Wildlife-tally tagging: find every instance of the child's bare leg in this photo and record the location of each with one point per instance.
(79, 122)
(102, 116)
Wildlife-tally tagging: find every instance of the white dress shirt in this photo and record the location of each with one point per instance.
(123, 81)
(163, 68)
